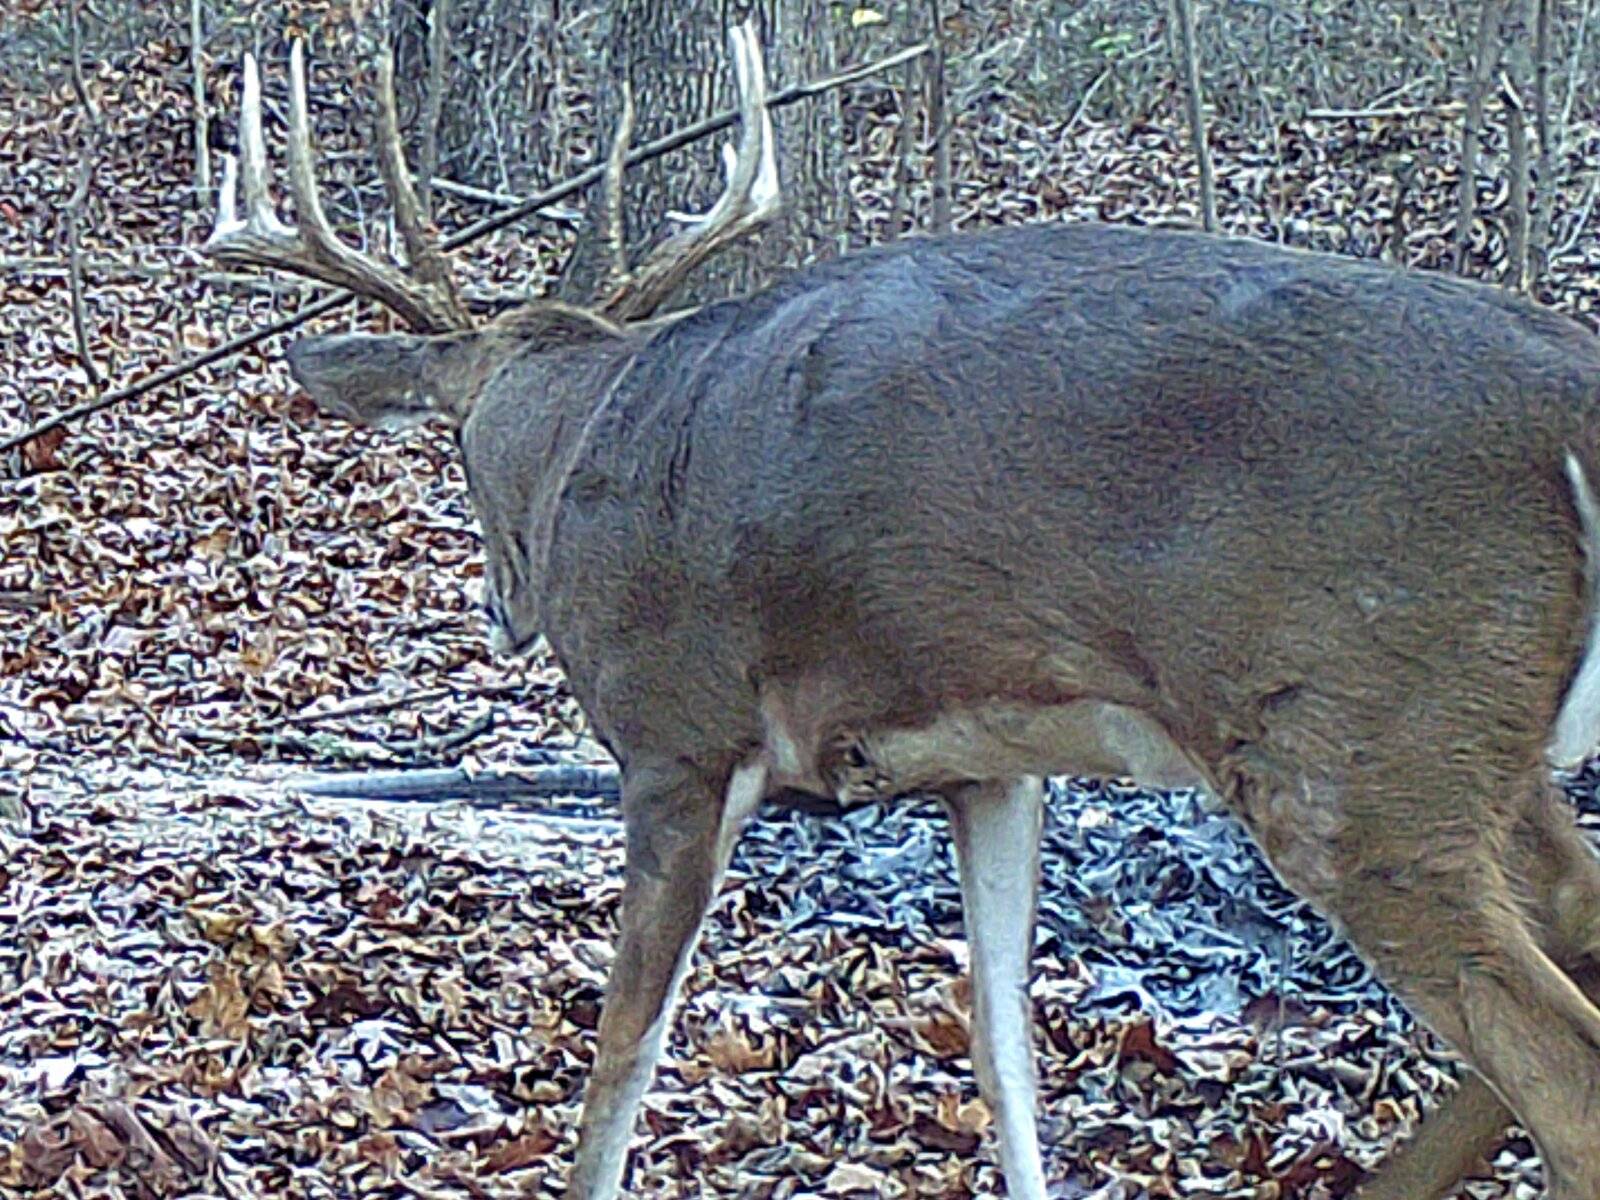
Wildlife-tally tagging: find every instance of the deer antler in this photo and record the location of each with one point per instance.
(751, 198)
(426, 299)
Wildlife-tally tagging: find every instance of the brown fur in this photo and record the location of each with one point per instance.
(1305, 515)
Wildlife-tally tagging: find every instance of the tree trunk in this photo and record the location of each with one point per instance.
(1515, 275)
(1545, 192)
(675, 58)
(1188, 62)
(1486, 57)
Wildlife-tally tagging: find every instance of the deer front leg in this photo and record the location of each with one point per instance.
(681, 830)
(997, 827)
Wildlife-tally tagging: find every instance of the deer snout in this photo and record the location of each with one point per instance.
(363, 378)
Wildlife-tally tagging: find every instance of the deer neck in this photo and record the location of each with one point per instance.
(519, 447)
(453, 372)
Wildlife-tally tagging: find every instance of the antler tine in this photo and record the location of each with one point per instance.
(428, 304)
(253, 170)
(752, 197)
(259, 219)
(615, 198)
(422, 251)
(313, 222)
(753, 170)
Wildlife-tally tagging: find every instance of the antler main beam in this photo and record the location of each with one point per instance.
(426, 300)
(751, 199)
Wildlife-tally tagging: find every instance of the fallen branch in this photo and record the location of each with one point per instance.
(471, 233)
(177, 371)
(501, 789)
(502, 199)
(490, 789)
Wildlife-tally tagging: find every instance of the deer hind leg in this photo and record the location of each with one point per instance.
(1535, 1038)
(1425, 888)
(997, 828)
(680, 835)
(1555, 867)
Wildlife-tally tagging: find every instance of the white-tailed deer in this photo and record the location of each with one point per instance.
(955, 514)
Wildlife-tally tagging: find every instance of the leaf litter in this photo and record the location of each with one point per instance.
(214, 987)
(228, 991)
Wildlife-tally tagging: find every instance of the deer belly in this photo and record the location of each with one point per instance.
(808, 749)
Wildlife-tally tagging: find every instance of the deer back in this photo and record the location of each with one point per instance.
(1200, 476)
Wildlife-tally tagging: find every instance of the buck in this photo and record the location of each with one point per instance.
(955, 514)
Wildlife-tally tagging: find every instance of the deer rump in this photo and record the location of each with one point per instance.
(1037, 492)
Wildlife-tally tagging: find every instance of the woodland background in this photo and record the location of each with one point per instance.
(216, 984)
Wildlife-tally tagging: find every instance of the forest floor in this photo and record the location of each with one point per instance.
(213, 985)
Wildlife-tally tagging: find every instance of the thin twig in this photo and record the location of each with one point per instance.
(1083, 102)
(1377, 114)
(324, 746)
(197, 98)
(1574, 75)
(1384, 99)
(74, 216)
(1581, 222)
(938, 122)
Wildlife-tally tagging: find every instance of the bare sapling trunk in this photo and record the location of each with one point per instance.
(938, 121)
(1485, 58)
(200, 118)
(1546, 187)
(1188, 64)
(1518, 218)
(79, 200)
(433, 103)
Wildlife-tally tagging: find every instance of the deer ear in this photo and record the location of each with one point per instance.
(381, 380)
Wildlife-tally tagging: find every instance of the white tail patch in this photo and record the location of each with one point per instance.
(1576, 735)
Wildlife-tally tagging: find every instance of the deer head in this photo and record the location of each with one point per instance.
(439, 368)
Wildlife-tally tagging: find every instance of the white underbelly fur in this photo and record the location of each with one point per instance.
(991, 741)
